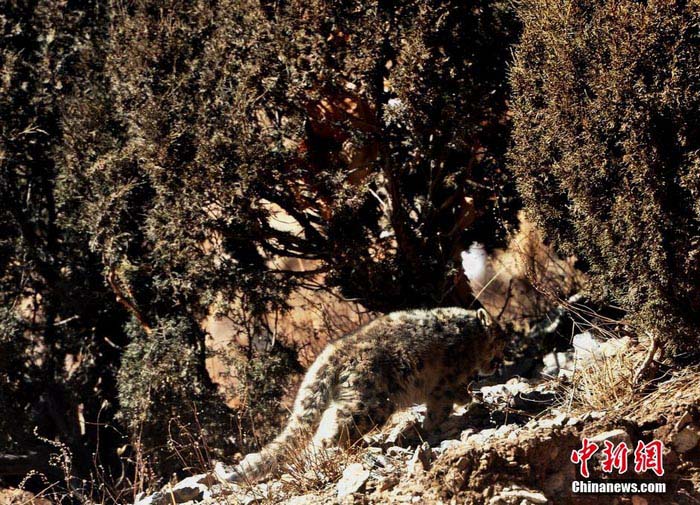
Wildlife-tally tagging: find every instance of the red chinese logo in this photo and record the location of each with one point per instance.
(583, 455)
(615, 457)
(647, 456)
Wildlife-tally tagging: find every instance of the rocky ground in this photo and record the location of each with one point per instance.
(511, 445)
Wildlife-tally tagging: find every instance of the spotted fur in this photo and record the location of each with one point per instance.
(357, 382)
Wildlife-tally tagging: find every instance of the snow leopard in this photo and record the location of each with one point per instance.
(401, 359)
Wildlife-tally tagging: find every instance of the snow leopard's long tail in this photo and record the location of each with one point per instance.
(314, 396)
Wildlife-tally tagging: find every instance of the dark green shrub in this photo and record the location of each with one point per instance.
(145, 147)
(261, 381)
(606, 112)
(55, 306)
(163, 397)
(14, 383)
(380, 129)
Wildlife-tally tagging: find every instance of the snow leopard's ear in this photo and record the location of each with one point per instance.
(484, 318)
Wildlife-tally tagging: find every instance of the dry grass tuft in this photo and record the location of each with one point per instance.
(680, 388)
(305, 468)
(314, 468)
(310, 467)
(605, 381)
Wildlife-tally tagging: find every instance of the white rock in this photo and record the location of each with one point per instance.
(474, 262)
(405, 424)
(593, 414)
(613, 436)
(559, 420)
(396, 451)
(586, 346)
(487, 433)
(195, 487)
(353, 480)
(301, 500)
(446, 444)
(186, 493)
(224, 472)
(505, 428)
(377, 461)
(500, 393)
(557, 364)
(155, 499)
(252, 498)
(510, 495)
(421, 460)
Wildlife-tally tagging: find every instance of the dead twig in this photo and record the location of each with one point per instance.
(645, 368)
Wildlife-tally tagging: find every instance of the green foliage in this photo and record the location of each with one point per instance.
(161, 393)
(606, 149)
(145, 150)
(14, 381)
(262, 379)
(379, 130)
(55, 306)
